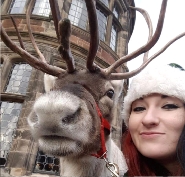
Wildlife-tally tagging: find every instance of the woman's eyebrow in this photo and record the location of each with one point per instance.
(164, 96)
(141, 98)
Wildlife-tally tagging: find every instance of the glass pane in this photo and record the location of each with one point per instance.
(17, 6)
(9, 117)
(47, 164)
(78, 14)
(42, 7)
(19, 79)
(49, 160)
(113, 38)
(55, 168)
(102, 23)
(115, 12)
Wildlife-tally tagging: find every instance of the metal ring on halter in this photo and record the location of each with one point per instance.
(103, 154)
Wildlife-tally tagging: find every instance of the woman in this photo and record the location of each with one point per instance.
(154, 111)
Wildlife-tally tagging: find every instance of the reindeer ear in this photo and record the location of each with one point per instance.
(49, 82)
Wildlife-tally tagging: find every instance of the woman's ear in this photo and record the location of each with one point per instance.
(49, 82)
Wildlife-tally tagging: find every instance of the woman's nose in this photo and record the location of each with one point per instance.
(151, 118)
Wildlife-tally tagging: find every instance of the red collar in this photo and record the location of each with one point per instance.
(104, 125)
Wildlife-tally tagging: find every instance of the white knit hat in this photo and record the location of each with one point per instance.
(164, 79)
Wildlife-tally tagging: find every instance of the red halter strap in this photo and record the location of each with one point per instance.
(104, 125)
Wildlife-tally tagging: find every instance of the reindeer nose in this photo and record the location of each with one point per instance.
(68, 119)
(71, 118)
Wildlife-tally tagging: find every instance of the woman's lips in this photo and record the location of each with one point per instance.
(151, 134)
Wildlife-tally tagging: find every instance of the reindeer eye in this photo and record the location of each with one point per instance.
(110, 93)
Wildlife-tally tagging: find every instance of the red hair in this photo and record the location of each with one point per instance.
(136, 164)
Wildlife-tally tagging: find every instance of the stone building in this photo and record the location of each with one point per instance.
(21, 84)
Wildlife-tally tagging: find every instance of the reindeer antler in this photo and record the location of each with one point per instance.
(144, 48)
(152, 41)
(149, 23)
(94, 34)
(119, 76)
(63, 31)
(33, 61)
(28, 13)
(56, 15)
(18, 34)
(64, 49)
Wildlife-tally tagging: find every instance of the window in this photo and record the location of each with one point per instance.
(19, 79)
(9, 117)
(42, 7)
(115, 12)
(102, 23)
(78, 14)
(105, 2)
(46, 164)
(17, 6)
(113, 38)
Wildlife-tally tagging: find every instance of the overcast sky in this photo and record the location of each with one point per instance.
(174, 24)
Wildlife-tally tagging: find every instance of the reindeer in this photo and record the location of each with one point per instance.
(72, 119)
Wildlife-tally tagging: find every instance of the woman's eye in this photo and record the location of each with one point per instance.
(138, 109)
(170, 106)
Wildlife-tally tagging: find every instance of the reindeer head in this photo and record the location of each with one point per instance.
(64, 120)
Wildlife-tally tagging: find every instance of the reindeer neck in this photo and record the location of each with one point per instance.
(85, 166)
(92, 166)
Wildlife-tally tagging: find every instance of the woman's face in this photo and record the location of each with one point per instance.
(155, 125)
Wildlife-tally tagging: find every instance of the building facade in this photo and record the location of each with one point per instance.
(21, 84)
